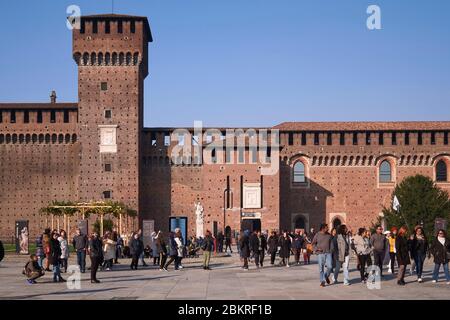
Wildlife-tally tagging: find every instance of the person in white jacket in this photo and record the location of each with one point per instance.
(363, 250)
(109, 251)
(64, 249)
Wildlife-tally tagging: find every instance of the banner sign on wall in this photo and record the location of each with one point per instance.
(22, 236)
(148, 226)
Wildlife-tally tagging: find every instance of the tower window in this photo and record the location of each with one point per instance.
(303, 139)
(441, 171)
(104, 86)
(342, 138)
(94, 27)
(153, 138)
(13, 117)
(406, 138)
(329, 139)
(385, 172)
(107, 27)
(39, 116)
(53, 116)
(419, 138)
(381, 138)
(108, 114)
(445, 136)
(107, 194)
(316, 138)
(167, 139)
(355, 138)
(299, 172)
(120, 27)
(290, 138)
(1, 116)
(394, 138)
(368, 138)
(66, 116)
(26, 116)
(433, 138)
(108, 167)
(133, 26)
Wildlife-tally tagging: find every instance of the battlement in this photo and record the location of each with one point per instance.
(112, 40)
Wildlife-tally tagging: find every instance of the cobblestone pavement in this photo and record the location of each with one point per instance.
(226, 280)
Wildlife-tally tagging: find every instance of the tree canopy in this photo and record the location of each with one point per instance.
(421, 201)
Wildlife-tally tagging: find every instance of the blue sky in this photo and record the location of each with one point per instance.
(251, 62)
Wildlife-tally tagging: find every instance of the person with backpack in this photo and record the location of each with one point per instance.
(33, 270)
(297, 245)
(342, 254)
(207, 247)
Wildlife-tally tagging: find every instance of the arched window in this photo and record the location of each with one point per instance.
(385, 171)
(441, 171)
(299, 172)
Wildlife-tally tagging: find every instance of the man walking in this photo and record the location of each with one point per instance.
(297, 245)
(96, 255)
(378, 243)
(258, 245)
(80, 244)
(321, 244)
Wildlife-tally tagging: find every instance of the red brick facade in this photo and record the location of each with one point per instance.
(60, 151)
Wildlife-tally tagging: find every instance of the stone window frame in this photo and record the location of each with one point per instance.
(305, 160)
(436, 160)
(393, 163)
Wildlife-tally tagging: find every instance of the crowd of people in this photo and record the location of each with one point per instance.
(334, 249)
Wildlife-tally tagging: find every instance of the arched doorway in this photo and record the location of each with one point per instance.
(300, 223)
(336, 223)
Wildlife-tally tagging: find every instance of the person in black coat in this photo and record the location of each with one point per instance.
(55, 257)
(228, 242)
(244, 245)
(95, 248)
(419, 249)
(402, 249)
(2, 251)
(272, 243)
(440, 249)
(136, 249)
(297, 245)
(285, 248)
(258, 245)
(219, 240)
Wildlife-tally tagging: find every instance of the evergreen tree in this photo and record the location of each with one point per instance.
(421, 200)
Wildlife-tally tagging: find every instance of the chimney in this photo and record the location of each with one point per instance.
(53, 97)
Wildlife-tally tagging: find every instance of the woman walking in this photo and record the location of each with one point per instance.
(55, 256)
(440, 249)
(401, 246)
(244, 245)
(155, 250)
(307, 249)
(362, 249)
(136, 249)
(272, 244)
(64, 249)
(342, 253)
(162, 248)
(285, 249)
(173, 252)
(40, 254)
(109, 251)
(419, 249)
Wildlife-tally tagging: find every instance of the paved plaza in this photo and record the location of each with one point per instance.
(226, 280)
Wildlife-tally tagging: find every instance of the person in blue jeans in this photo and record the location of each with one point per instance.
(419, 248)
(80, 243)
(322, 247)
(440, 249)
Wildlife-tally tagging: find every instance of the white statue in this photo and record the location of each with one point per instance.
(199, 221)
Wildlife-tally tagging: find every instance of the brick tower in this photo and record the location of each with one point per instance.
(111, 54)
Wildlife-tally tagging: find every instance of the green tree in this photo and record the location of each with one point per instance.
(421, 200)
